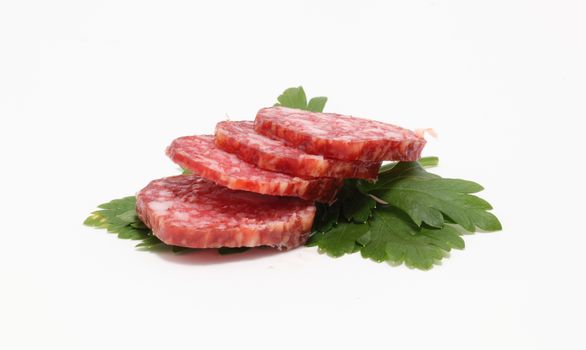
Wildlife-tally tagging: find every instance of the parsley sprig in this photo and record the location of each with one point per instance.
(119, 217)
(407, 216)
(295, 98)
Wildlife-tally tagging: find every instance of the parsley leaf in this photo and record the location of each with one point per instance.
(408, 216)
(317, 104)
(392, 237)
(395, 239)
(429, 199)
(340, 240)
(327, 216)
(119, 217)
(356, 206)
(151, 243)
(295, 98)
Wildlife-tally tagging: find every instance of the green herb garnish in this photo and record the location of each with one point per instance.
(119, 216)
(412, 217)
(295, 98)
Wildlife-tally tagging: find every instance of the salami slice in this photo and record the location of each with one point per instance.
(200, 155)
(190, 211)
(339, 136)
(240, 138)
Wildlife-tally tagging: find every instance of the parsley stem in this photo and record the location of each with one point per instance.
(378, 200)
(428, 162)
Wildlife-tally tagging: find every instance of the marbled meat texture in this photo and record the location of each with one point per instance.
(339, 136)
(200, 155)
(240, 138)
(189, 211)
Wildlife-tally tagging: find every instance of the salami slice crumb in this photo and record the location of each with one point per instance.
(200, 155)
(240, 138)
(189, 211)
(339, 136)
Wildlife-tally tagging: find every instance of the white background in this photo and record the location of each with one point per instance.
(92, 92)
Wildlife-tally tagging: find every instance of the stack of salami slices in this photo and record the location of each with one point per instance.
(255, 183)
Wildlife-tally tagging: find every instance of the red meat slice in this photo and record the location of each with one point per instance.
(240, 138)
(339, 136)
(200, 155)
(190, 211)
